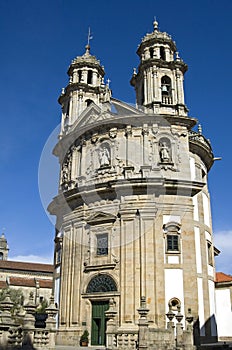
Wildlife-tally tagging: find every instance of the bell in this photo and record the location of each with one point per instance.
(164, 88)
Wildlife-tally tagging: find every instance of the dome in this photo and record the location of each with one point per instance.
(156, 37)
(86, 60)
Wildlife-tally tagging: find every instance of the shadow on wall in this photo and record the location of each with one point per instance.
(207, 333)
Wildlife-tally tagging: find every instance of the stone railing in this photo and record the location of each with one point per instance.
(198, 137)
(127, 340)
(18, 330)
(147, 338)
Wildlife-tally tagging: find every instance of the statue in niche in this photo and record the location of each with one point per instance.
(164, 153)
(65, 174)
(104, 156)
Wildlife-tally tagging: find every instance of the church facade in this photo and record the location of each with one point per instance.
(133, 208)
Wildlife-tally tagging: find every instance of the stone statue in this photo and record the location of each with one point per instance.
(164, 153)
(65, 174)
(104, 156)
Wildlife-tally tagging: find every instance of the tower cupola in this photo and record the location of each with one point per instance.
(159, 80)
(4, 249)
(86, 85)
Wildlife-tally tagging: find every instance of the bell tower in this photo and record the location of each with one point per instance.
(86, 85)
(159, 80)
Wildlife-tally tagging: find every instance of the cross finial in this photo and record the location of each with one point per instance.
(108, 81)
(89, 36)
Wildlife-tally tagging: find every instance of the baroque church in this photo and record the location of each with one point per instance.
(134, 230)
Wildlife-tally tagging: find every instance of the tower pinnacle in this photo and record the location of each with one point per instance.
(156, 25)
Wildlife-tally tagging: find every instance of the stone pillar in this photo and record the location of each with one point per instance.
(155, 83)
(145, 88)
(6, 306)
(75, 76)
(188, 334)
(51, 322)
(167, 53)
(29, 321)
(171, 325)
(143, 325)
(179, 328)
(111, 326)
(95, 80)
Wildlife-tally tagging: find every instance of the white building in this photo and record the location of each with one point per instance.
(133, 209)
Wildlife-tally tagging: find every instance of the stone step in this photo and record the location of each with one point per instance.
(67, 347)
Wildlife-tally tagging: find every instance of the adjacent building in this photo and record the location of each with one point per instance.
(29, 277)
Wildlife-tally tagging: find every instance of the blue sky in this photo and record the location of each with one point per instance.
(38, 41)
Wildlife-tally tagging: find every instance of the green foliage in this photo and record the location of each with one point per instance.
(16, 296)
(85, 336)
(41, 309)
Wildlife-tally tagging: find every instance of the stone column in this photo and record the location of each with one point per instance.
(143, 325)
(171, 325)
(188, 334)
(51, 322)
(179, 328)
(75, 76)
(111, 325)
(167, 53)
(95, 80)
(145, 88)
(29, 321)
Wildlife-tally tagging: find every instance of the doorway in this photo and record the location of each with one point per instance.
(98, 332)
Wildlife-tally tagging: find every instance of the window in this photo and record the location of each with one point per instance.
(58, 256)
(151, 52)
(102, 244)
(162, 53)
(89, 77)
(174, 303)
(166, 90)
(210, 253)
(88, 102)
(172, 236)
(79, 75)
(172, 243)
(1, 256)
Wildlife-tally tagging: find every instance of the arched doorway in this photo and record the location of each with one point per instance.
(102, 283)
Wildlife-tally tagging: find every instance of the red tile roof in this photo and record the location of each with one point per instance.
(29, 282)
(222, 277)
(25, 266)
(3, 284)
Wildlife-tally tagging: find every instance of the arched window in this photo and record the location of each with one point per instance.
(172, 233)
(1, 256)
(166, 90)
(151, 52)
(101, 283)
(174, 303)
(162, 53)
(88, 102)
(90, 77)
(79, 75)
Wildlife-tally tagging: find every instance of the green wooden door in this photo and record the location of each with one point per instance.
(98, 333)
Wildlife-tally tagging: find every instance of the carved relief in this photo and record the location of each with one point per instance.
(66, 171)
(113, 133)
